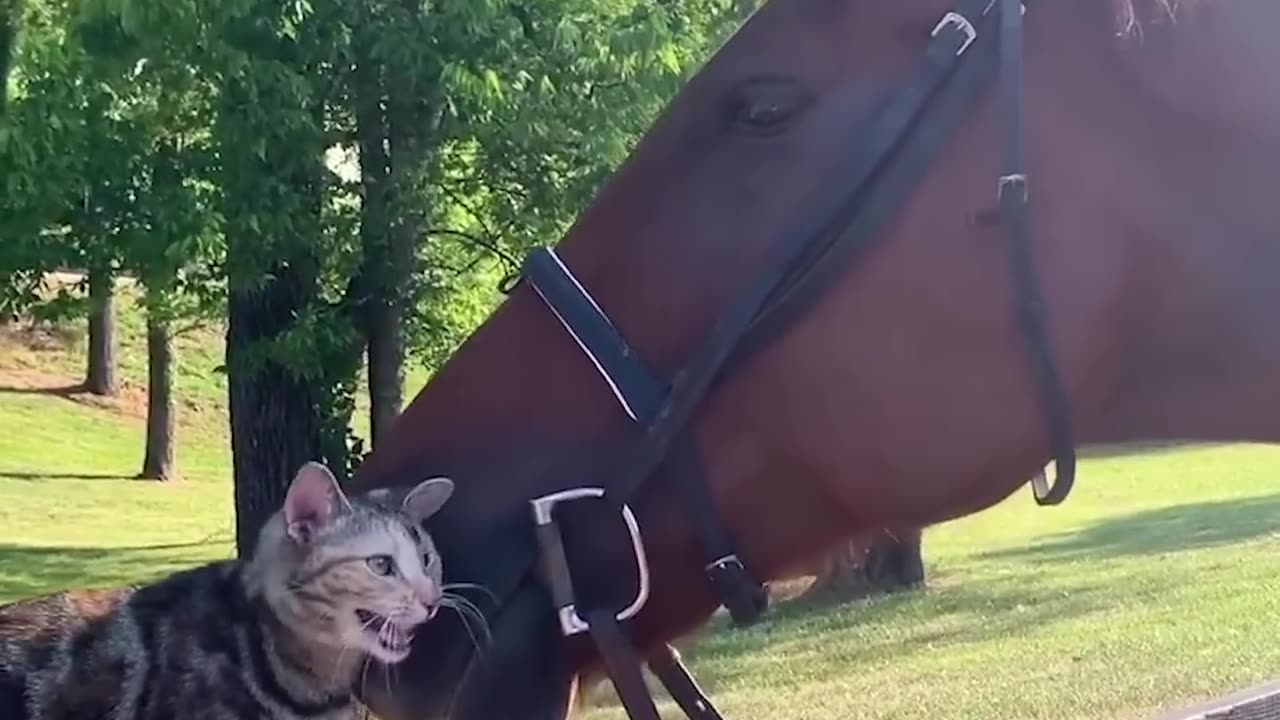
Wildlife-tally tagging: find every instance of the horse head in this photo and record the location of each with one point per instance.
(873, 266)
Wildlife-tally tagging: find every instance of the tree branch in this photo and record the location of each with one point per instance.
(475, 215)
(189, 328)
(478, 241)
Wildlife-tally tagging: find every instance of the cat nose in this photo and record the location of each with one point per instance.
(429, 595)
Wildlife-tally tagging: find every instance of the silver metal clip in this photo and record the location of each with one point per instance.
(723, 562)
(570, 622)
(1007, 181)
(961, 23)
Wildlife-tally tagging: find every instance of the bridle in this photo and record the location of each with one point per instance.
(966, 48)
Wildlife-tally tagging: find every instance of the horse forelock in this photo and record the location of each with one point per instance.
(1132, 15)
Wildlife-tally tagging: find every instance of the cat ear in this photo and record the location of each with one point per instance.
(427, 498)
(313, 501)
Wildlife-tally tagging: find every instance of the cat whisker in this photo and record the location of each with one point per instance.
(469, 614)
(364, 676)
(470, 586)
(337, 666)
(386, 677)
(469, 610)
(463, 604)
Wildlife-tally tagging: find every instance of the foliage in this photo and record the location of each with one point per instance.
(107, 166)
(210, 149)
(539, 102)
(543, 101)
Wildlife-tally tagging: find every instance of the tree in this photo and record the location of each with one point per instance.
(109, 174)
(886, 562)
(292, 348)
(396, 121)
(10, 15)
(481, 128)
(69, 183)
(100, 377)
(174, 259)
(65, 173)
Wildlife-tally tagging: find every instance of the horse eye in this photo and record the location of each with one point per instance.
(765, 106)
(381, 565)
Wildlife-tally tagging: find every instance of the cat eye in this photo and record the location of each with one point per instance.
(381, 565)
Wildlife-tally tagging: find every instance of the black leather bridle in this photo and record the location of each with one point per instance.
(969, 45)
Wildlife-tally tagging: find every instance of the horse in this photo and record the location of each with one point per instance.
(875, 265)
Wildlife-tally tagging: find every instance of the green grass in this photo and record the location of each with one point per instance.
(74, 516)
(1156, 584)
(71, 512)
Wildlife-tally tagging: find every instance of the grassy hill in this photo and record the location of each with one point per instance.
(71, 511)
(1158, 583)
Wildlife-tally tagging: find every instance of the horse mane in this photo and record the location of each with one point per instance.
(1132, 15)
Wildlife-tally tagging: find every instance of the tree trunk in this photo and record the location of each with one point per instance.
(396, 121)
(386, 368)
(275, 426)
(10, 17)
(894, 562)
(886, 563)
(291, 359)
(381, 276)
(101, 376)
(157, 464)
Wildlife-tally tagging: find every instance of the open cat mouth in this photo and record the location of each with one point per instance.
(389, 636)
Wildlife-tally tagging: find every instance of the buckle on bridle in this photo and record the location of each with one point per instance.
(551, 543)
(961, 23)
(725, 563)
(1014, 181)
(745, 599)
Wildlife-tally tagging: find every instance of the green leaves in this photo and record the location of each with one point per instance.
(106, 159)
(188, 143)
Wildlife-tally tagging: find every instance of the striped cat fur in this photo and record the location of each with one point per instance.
(285, 634)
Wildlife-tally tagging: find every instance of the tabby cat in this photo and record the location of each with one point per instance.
(285, 634)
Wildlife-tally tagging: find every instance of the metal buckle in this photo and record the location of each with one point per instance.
(1040, 483)
(724, 562)
(1014, 180)
(570, 622)
(961, 23)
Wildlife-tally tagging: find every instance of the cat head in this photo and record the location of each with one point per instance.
(353, 574)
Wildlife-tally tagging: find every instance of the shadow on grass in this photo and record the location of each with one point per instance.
(6, 474)
(62, 391)
(1141, 447)
(831, 640)
(28, 571)
(1156, 532)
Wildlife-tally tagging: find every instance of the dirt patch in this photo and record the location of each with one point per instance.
(40, 337)
(131, 400)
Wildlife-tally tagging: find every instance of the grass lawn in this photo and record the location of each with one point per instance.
(1154, 585)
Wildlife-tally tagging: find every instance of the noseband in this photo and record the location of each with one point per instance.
(967, 47)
